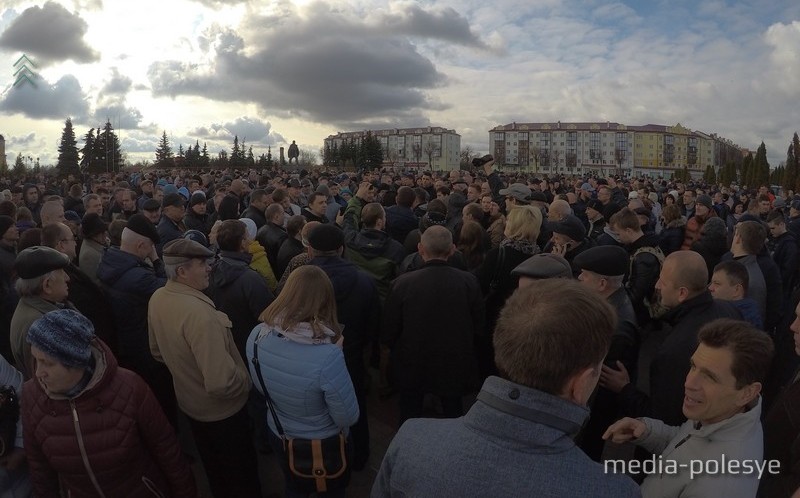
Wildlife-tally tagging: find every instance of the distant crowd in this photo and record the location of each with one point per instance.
(265, 307)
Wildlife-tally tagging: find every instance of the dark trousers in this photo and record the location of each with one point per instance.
(412, 402)
(226, 449)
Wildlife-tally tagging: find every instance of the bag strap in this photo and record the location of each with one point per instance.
(271, 406)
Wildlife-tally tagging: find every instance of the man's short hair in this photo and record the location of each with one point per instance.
(52, 234)
(273, 210)
(230, 235)
(474, 210)
(371, 213)
(625, 218)
(753, 236)
(405, 196)
(736, 273)
(295, 224)
(258, 195)
(776, 216)
(279, 195)
(313, 197)
(536, 334)
(752, 348)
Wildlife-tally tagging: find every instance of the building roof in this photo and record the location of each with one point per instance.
(394, 131)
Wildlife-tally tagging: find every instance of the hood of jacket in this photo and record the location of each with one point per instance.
(370, 242)
(228, 268)
(115, 263)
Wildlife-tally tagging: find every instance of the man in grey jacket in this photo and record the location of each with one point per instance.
(517, 439)
(719, 450)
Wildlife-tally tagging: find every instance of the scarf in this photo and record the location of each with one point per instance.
(521, 245)
(302, 333)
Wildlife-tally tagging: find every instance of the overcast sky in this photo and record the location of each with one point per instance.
(282, 70)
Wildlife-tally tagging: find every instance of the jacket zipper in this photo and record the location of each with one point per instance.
(84, 456)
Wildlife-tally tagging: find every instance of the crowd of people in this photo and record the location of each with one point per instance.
(543, 321)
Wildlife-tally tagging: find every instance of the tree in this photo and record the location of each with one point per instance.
(789, 180)
(466, 156)
(164, 153)
(19, 166)
(107, 150)
(237, 158)
(620, 156)
(87, 152)
(556, 155)
(68, 152)
(371, 151)
(535, 156)
(204, 159)
(747, 167)
(760, 166)
(682, 175)
(430, 149)
(416, 149)
(709, 176)
(796, 165)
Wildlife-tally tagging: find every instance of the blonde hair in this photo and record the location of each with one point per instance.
(307, 297)
(524, 222)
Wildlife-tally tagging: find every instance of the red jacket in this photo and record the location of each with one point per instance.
(694, 228)
(130, 448)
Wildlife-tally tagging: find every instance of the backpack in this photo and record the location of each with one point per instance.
(653, 304)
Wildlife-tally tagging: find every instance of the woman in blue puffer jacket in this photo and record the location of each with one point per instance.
(299, 351)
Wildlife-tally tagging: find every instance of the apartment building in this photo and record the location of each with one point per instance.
(431, 147)
(606, 148)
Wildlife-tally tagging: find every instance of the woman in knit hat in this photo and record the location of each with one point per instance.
(90, 427)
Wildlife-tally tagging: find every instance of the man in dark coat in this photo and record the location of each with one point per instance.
(603, 269)
(358, 309)
(430, 320)
(645, 260)
(255, 211)
(400, 218)
(171, 226)
(682, 284)
(85, 295)
(272, 234)
(129, 282)
(236, 289)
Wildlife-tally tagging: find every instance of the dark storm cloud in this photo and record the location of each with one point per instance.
(328, 66)
(63, 99)
(441, 23)
(49, 34)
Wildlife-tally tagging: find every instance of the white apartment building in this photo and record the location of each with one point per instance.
(431, 147)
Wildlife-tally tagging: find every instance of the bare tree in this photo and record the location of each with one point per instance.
(466, 156)
(620, 155)
(430, 149)
(556, 155)
(535, 156)
(391, 155)
(416, 149)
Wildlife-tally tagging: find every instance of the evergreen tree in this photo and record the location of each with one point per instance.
(235, 153)
(777, 175)
(180, 151)
(87, 152)
(19, 166)
(747, 170)
(110, 154)
(204, 159)
(789, 179)
(709, 176)
(371, 151)
(251, 160)
(761, 166)
(164, 153)
(68, 152)
(796, 164)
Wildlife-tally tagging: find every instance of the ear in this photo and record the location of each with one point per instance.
(580, 386)
(748, 393)
(420, 249)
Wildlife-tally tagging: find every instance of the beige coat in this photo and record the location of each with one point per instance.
(194, 340)
(29, 309)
